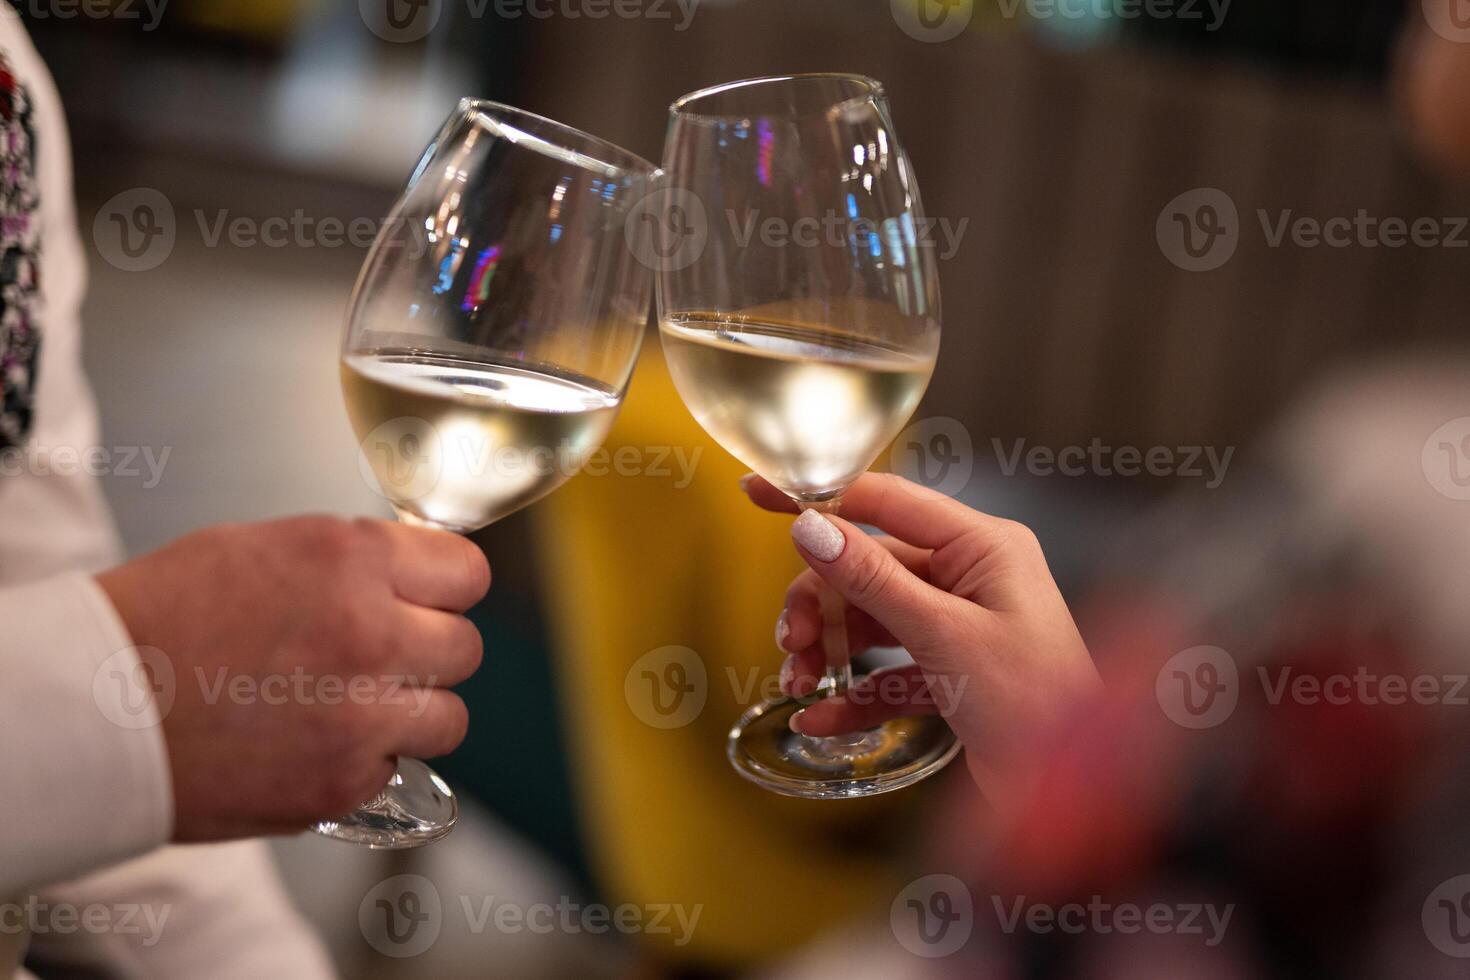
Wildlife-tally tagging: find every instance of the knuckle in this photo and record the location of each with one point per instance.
(802, 586)
(870, 574)
(470, 644)
(328, 538)
(361, 642)
(368, 540)
(1020, 537)
(476, 568)
(452, 722)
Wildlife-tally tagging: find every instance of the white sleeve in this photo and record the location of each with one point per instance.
(217, 911)
(82, 760)
(52, 514)
(84, 775)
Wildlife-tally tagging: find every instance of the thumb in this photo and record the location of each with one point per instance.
(868, 576)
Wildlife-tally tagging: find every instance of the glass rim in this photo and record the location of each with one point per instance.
(573, 143)
(680, 106)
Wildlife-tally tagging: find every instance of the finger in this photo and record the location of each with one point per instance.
(439, 649)
(884, 694)
(436, 568)
(803, 668)
(799, 633)
(435, 724)
(870, 578)
(906, 510)
(804, 617)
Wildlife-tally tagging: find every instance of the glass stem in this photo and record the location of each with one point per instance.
(837, 676)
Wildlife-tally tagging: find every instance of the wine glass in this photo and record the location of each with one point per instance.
(799, 314)
(488, 344)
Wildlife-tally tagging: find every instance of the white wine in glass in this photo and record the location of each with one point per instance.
(485, 440)
(807, 409)
(803, 350)
(488, 344)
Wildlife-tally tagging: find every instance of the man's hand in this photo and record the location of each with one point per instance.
(307, 654)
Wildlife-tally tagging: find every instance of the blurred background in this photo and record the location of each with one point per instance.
(1119, 189)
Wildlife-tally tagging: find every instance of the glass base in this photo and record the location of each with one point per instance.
(898, 753)
(414, 809)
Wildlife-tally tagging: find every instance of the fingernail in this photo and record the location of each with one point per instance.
(745, 481)
(783, 630)
(795, 723)
(818, 535)
(788, 674)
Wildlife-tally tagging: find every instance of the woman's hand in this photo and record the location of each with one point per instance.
(968, 595)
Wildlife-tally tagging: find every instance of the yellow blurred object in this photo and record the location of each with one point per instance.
(637, 562)
(262, 20)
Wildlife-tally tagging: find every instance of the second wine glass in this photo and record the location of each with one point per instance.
(488, 345)
(799, 314)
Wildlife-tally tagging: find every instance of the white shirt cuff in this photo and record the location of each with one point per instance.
(84, 773)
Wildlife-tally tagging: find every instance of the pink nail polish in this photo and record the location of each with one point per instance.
(819, 536)
(783, 630)
(788, 674)
(794, 723)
